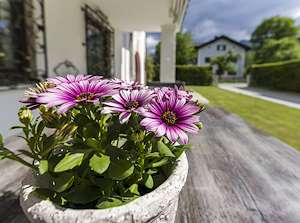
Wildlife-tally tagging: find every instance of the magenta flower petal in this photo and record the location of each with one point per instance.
(128, 102)
(72, 78)
(68, 95)
(170, 115)
(161, 130)
(124, 117)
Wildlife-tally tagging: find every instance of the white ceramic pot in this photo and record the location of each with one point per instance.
(158, 206)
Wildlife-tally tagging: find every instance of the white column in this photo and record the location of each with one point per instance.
(168, 53)
(118, 45)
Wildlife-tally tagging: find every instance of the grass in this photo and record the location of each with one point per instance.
(277, 120)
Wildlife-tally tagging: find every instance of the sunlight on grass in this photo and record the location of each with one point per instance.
(277, 120)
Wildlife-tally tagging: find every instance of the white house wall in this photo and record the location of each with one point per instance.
(65, 33)
(65, 29)
(211, 51)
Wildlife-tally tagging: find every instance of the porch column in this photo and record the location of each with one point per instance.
(168, 53)
(118, 44)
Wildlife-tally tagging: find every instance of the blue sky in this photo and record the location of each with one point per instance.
(235, 18)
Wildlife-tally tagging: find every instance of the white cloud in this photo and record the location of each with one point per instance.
(235, 18)
(152, 41)
(296, 14)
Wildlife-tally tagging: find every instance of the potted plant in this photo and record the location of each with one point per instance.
(103, 150)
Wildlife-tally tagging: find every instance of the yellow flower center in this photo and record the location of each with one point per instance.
(132, 105)
(169, 117)
(85, 97)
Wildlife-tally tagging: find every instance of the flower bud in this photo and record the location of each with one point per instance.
(199, 125)
(43, 109)
(201, 106)
(67, 130)
(25, 115)
(138, 136)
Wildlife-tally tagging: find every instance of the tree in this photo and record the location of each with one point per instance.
(185, 50)
(150, 69)
(274, 28)
(278, 50)
(275, 39)
(225, 63)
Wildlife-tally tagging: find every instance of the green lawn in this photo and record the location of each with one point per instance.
(277, 120)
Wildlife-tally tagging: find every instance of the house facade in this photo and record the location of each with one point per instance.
(44, 38)
(220, 46)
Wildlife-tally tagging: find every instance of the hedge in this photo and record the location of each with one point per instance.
(279, 76)
(190, 74)
(194, 75)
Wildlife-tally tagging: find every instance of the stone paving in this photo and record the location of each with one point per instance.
(283, 98)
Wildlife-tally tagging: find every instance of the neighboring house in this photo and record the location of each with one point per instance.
(42, 38)
(220, 46)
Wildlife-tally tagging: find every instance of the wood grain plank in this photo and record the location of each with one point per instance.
(238, 174)
(11, 176)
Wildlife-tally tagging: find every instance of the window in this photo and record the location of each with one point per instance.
(99, 39)
(221, 47)
(21, 37)
(207, 59)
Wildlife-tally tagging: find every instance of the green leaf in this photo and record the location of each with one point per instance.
(93, 143)
(69, 162)
(90, 130)
(26, 153)
(104, 184)
(1, 140)
(152, 155)
(164, 149)
(17, 127)
(81, 119)
(161, 162)
(152, 171)
(63, 182)
(43, 166)
(134, 189)
(99, 164)
(149, 182)
(82, 194)
(4, 154)
(109, 203)
(120, 169)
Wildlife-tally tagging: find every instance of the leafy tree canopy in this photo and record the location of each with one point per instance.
(275, 39)
(150, 70)
(274, 28)
(225, 62)
(278, 50)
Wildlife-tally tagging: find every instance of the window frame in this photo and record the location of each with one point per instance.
(97, 19)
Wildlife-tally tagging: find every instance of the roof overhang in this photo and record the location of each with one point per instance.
(142, 15)
(246, 47)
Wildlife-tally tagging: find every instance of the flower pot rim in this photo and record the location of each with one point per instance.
(162, 194)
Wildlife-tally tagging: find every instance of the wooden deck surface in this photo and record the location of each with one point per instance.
(237, 174)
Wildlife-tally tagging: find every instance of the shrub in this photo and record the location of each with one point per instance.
(280, 75)
(192, 74)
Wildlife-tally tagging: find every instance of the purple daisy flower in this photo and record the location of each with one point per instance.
(172, 117)
(72, 78)
(166, 92)
(33, 93)
(125, 85)
(127, 102)
(68, 95)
